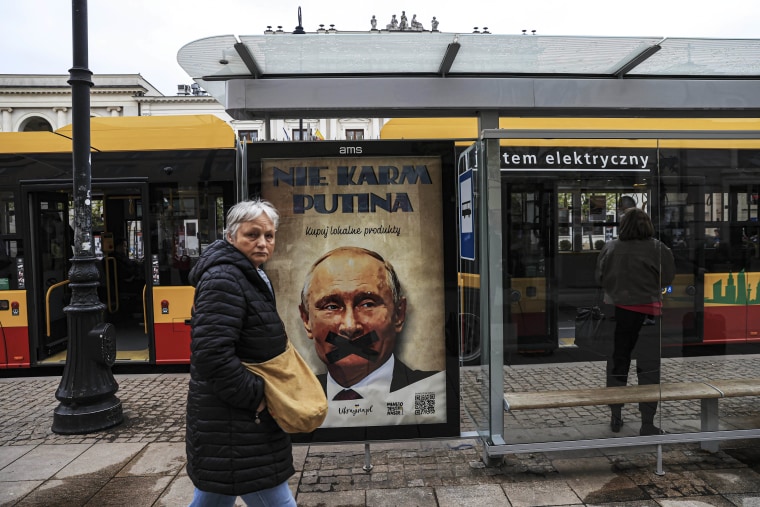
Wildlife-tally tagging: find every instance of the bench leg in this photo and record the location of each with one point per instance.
(710, 422)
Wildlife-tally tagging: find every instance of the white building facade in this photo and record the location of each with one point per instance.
(42, 102)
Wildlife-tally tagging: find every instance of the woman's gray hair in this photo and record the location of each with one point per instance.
(245, 211)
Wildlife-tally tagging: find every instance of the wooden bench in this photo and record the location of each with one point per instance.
(708, 392)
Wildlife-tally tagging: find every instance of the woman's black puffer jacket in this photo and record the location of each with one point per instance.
(234, 319)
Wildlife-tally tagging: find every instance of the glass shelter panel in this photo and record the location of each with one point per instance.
(475, 375)
(619, 322)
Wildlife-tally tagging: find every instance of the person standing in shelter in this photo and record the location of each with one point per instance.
(632, 270)
(234, 446)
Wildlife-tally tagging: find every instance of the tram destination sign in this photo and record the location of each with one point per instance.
(577, 159)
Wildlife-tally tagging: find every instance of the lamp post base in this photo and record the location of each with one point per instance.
(77, 419)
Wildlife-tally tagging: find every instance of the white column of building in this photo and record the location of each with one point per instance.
(114, 110)
(7, 118)
(61, 118)
(333, 130)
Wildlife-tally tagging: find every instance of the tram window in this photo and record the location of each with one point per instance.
(715, 204)
(184, 221)
(744, 207)
(11, 253)
(219, 222)
(135, 247)
(8, 225)
(564, 219)
(598, 208)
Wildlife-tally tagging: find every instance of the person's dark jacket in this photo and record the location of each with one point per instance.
(633, 272)
(234, 319)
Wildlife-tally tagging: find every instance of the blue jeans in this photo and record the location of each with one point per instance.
(278, 496)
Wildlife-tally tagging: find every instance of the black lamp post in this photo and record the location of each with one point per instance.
(87, 387)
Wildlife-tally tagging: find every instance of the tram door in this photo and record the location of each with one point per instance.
(124, 286)
(528, 273)
(51, 240)
(118, 230)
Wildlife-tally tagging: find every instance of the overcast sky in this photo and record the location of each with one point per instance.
(144, 36)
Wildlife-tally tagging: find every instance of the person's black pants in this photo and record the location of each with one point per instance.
(628, 326)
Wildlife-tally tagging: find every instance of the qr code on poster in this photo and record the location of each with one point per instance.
(424, 403)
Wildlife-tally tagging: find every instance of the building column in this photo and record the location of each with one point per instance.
(6, 125)
(114, 110)
(61, 118)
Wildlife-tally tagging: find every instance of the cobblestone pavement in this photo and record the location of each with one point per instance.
(141, 461)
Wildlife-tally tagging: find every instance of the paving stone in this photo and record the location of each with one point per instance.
(412, 497)
(100, 459)
(299, 456)
(10, 454)
(701, 501)
(64, 492)
(332, 499)
(41, 463)
(594, 481)
(157, 459)
(540, 492)
(739, 480)
(744, 500)
(179, 492)
(131, 491)
(481, 495)
(12, 492)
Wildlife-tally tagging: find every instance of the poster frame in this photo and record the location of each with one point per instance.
(258, 152)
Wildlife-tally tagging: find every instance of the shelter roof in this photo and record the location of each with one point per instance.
(406, 73)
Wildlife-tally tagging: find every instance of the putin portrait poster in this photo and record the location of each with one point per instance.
(360, 272)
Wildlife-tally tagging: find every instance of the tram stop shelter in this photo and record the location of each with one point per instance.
(435, 75)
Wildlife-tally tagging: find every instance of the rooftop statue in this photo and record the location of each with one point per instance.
(403, 24)
(416, 25)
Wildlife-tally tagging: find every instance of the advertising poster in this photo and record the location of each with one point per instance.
(359, 272)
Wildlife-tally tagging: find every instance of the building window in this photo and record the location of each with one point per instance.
(248, 135)
(354, 134)
(300, 134)
(36, 125)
